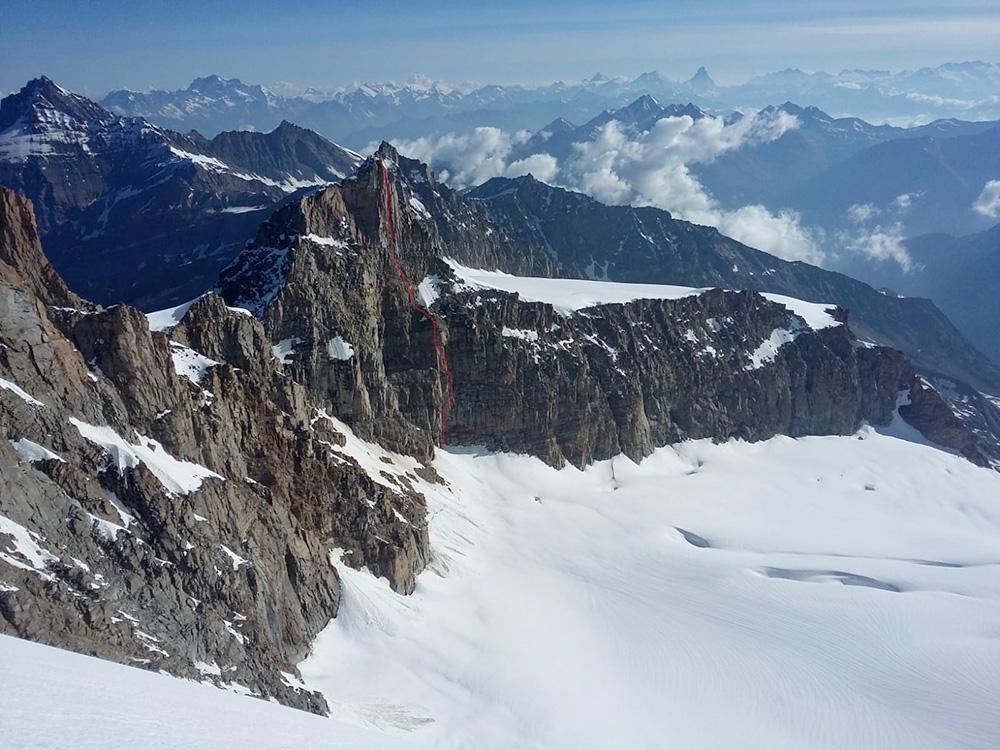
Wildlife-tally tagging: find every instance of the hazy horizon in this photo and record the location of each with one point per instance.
(109, 44)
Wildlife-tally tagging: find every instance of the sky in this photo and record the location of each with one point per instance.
(97, 46)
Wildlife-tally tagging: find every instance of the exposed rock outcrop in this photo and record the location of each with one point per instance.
(610, 379)
(173, 501)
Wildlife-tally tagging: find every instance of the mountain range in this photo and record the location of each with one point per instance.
(132, 212)
(152, 219)
(819, 166)
(358, 115)
(235, 488)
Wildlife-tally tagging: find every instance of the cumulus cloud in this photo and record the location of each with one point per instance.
(644, 169)
(988, 202)
(904, 202)
(463, 160)
(542, 167)
(652, 169)
(780, 234)
(880, 244)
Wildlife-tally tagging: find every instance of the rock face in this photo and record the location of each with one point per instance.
(108, 190)
(590, 240)
(614, 378)
(172, 499)
(172, 487)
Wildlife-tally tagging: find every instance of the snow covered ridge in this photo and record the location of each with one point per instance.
(289, 184)
(569, 296)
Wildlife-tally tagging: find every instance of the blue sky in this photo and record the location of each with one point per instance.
(96, 46)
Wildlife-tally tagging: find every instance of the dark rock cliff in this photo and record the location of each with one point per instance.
(173, 501)
(610, 379)
(622, 243)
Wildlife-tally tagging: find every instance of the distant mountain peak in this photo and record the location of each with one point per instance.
(650, 77)
(43, 94)
(558, 125)
(214, 82)
(701, 80)
(645, 103)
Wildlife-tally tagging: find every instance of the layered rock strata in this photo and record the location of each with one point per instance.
(609, 379)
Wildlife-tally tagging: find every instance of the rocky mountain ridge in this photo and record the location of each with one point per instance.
(586, 239)
(174, 487)
(573, 389)
(109, 190)
(176, 507)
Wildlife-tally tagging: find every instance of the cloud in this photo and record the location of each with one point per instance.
(463, 160)
(859, 213)
(904, 202)
(880, 244)
(780, 234)
(645, 169)
(652, 169)
(988, 202)
(542, 167)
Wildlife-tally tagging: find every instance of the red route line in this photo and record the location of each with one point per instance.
(413, 304)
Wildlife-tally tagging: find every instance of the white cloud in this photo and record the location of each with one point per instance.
(651, 169)
(859, 213)
(463, 160)
(905, 201)
(779, 234)
(542, 167)
(646, 169)
(988, 202)
(880, 244)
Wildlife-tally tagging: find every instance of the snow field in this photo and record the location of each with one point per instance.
(56, 699)
(814, 593)
(836, 592)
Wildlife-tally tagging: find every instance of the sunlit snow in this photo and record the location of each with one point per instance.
(177, 477)
(838, 592)
(835, 592)
(569, 296)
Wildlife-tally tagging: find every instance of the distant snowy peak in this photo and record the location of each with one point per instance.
(210, 104)
(363, 112)
(112, 192)
(701, 81)
(45, 119)
(40, 96)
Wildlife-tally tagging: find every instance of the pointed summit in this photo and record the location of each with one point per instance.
(644, 103)
(30, 111)
(701, 80)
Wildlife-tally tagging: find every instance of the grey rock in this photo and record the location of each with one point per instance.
(228, 582)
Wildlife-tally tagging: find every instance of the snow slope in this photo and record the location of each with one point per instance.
(568, 296)
(55, 699)
(835, 592)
